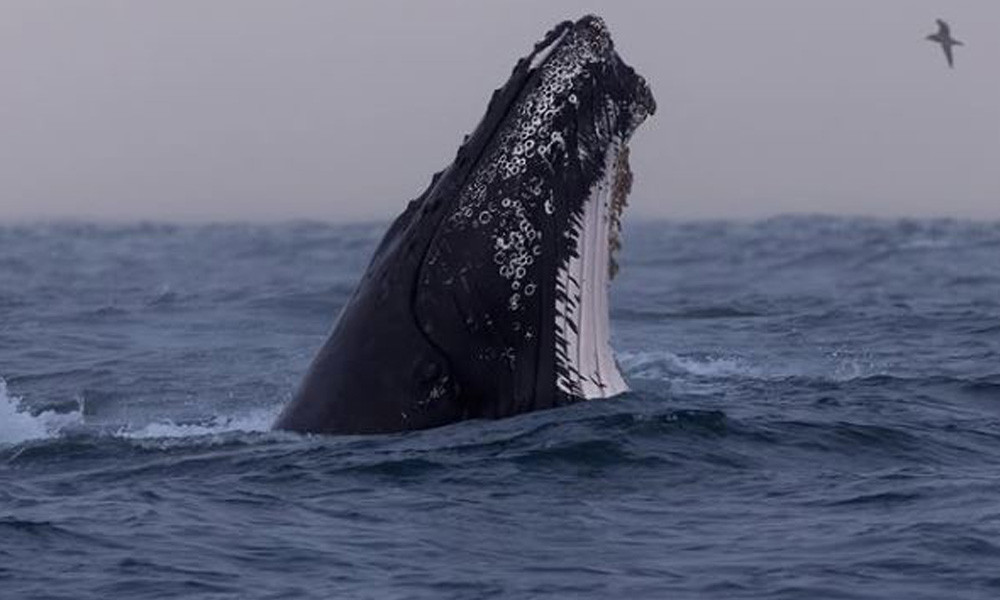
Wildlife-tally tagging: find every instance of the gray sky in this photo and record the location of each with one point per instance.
(251, 110)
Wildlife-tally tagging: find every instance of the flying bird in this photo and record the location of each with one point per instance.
(943, 37)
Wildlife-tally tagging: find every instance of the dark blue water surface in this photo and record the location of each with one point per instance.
(816, 414)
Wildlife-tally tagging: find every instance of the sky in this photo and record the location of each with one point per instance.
(251, 110)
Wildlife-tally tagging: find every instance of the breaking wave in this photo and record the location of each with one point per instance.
(18, 424)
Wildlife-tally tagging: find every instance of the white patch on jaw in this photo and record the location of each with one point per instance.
(588, 367)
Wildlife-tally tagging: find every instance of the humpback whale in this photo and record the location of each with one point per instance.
(488, 296)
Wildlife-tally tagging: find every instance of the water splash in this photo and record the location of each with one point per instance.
(666, 365)
(17, 424)
(835, 366)
(258, 420)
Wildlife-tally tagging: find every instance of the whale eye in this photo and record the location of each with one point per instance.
(429, 371)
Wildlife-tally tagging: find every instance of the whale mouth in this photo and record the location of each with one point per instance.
(527, 247)
(585, 364)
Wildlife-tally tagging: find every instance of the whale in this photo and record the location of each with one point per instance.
(488, 296)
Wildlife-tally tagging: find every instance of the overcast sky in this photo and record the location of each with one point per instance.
(253, 110)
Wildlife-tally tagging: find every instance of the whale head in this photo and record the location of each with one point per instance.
(488, 296)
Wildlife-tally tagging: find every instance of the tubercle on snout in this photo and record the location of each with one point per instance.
(519, 74)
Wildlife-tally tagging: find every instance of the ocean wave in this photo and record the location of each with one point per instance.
(696, 313)
(836, 367)
(255, 421)
(663, 364)
(18, 424)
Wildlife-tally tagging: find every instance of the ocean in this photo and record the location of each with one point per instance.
(815, 414)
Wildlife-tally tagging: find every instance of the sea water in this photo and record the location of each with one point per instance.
(815, 414)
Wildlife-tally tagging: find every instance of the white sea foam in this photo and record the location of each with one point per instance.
(833, 366)
(254, 421)
(18, 425)
(655, 365)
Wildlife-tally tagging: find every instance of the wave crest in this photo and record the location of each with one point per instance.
(253, 422)
(18, 424)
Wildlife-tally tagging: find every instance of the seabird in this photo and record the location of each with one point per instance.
(943, 37)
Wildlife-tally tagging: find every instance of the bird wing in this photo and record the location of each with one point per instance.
(948, 55)
(943, 29)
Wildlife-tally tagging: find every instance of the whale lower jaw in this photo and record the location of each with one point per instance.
(585, 363)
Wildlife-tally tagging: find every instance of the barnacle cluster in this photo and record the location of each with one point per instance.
(503, 188)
